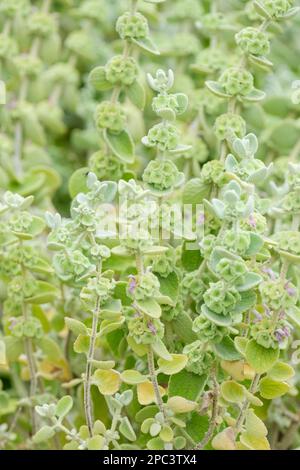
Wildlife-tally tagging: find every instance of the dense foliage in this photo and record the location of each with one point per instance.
(149, 224)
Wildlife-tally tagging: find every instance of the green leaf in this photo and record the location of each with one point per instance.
(50, 348)
(294, 315)
(149, 307)
(146, 413)
(108, 381)
(181, 405)
(147, 44)
(197, 426)
(81, 344)
(132, 377)
(154, 1)
(182, 101)
(77, 182)
(220, 320)
(183, 327)
(270, 389)
(139, 349)
(232, 391)
(216, 89)
(160, 349)
(241, 343)
(43, 434)
(260, 358)
(281, 371)
(169, 286)
(167, 114)
(121, 145)
(190, 258)
(44, 293)
(290, 13)
(136, 94)
(97, 79)
(251, 280)
(14, 347)
(2, 352)
(76, 326)
(40, 266)
(4, 401)
(261, 62)
(175, 365)
(155, 444)
(254, 425)
(187, 385)
(261, 10)
(107, 326)
(120, 292)
(111, 309)
(126, 429)
(64, 406)
(226, 350)
(248, 300)
(95, 443)
(255, 95)
(195, 191)
(256, 243)
(155, 250)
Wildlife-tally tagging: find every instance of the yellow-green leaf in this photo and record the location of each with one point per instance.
(232, 391)
(225, 440)
(174, 366)
(270, 389)
(260, 358)
(146, 393)
(108, 381)
(181, 405)
(132, 377)
(281, 371)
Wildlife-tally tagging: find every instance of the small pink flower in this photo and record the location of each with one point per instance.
(290, 290)
(132, 284)
(252, 221)
(152, 328)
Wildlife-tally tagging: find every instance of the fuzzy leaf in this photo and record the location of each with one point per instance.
(187, 385)
(281, 371)
(43, 434)
(64, 406)
(260, 358)
(232, 391)
(146, 393)
(121, 145)
(132, 377)
(181, 405)
(226, 350)
(177, 363)
(97, 79)
(270, 389)
(76, 326)
(107, 381)
(136, 94)
(147, 44)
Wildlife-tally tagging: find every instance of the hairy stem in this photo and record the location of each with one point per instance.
(214, 415)
(88, 408)
(242, 415)
(153, 378)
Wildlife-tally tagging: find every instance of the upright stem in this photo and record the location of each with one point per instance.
(153, 378)
(32, 370)
(214, 414)
(242, 415)
(88, 372)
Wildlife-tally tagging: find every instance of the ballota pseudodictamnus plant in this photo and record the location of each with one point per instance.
(120, 330)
